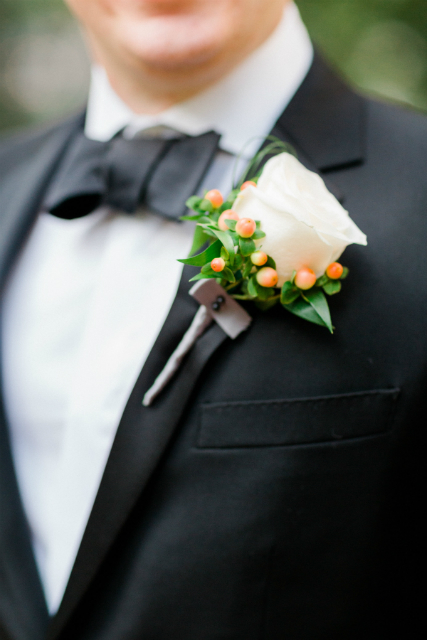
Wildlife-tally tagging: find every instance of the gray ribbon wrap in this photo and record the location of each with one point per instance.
(215, 305)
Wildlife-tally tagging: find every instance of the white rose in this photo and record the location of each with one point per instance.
(305, 225)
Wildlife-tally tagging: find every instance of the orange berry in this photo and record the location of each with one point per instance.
(229, 214)
(267, 277)
(246, 227)
(215, 197)
(259, 258)
(218, 264)
(305, 279)
(248, 183)
(334, 271)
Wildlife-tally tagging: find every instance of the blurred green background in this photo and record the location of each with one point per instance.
(380, 45)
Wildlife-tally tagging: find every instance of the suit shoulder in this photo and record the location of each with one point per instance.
(403, 127)
(18, 147)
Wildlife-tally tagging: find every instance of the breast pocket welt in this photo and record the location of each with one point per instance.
(296, 421)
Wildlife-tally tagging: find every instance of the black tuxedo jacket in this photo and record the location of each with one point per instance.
(275, 489)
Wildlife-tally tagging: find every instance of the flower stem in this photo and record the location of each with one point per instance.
(233, 284)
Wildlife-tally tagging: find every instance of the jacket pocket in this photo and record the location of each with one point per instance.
(296, 421)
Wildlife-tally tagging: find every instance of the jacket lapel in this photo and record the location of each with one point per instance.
(325, 121)
(23, 611)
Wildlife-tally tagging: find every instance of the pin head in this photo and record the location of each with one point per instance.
(216, 305)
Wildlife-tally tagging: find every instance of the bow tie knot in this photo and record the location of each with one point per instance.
(160, 173)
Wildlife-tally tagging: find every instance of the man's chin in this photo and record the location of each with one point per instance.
(168, 49)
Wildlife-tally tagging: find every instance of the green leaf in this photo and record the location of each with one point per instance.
(238, 261)
(195, 218)
(247, 270)
(257, 235)
(208, 224)
(204, 276)
(214, 251)
(317, 299)
(199, 239)
(200, 218)
(332, 287)
(270, 262)
(228, 275)
(345, 273)
(210, 232)
(304, 310)
(257, 291)
(193, 202)
(227, 241)
(322, 281)
(235, 238)
(228, 204)
(289, 293)
(265, 305)
(247, 246)
(224, 253)
(207, 268)
(244, 287)
(294, 273)
(206, 205)
(258, 224)
(252, 289)
(238, 274)
(264, 293)
(231, 224)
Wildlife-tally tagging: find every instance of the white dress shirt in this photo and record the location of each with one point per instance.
(88, 297)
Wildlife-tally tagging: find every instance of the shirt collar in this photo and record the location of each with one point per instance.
(242, 106)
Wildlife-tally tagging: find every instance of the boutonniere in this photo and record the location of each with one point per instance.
(276, 239)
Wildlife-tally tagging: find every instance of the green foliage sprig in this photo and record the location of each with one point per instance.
(235, 257)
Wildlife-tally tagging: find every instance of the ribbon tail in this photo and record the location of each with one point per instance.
(201, 321)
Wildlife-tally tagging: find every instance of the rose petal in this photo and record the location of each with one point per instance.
(305, 225)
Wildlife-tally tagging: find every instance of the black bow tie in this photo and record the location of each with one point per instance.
(124, 174)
